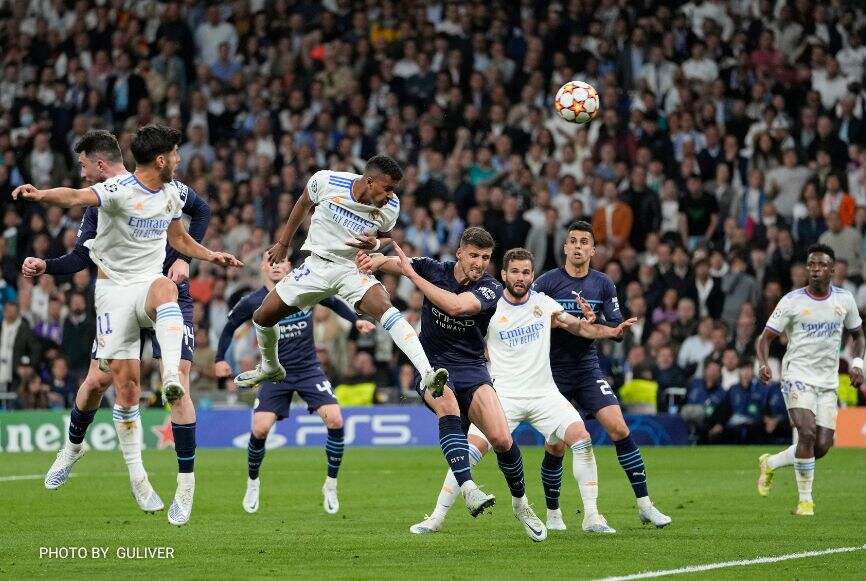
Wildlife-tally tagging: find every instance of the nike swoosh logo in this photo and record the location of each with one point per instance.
(537, 532)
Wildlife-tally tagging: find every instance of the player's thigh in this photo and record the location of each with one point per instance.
(365, 294)
(611, 419)
(556, 419)
(801, 400)
(117, 325)
(317, 393)
(444, 405)
(307, 284)
(485, 411)
(275, 398)
(160, 290)
(96, 379)
(263, 421)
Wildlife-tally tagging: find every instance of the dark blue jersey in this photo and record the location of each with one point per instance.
(296, 348)
(451, 340)
(79, 258)
(569, 353)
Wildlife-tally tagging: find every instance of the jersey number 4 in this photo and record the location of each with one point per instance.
(326, 386)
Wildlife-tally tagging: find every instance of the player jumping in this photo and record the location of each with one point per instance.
(459, 301)
(814, 319)
(304, 375)
(352, 211)
(518, 342)
(576, 370)
(137, 213)
(100, 158)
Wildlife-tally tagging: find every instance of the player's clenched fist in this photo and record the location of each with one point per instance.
(765, 374)
(27, 192)
(33, 267)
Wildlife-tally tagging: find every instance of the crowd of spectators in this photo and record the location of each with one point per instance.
(731, 137)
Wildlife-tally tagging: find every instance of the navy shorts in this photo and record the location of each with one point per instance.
(588, 390)
(187, 346)
(313, 387)
(464, 381)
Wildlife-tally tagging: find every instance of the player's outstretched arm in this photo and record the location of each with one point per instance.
(583, 328)
(454, 305)
(277, 252)
(378, 262)
(63, 197)
(763, 354)
(181, 241)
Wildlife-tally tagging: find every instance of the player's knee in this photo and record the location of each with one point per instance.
(260, 432)
(822, 446)
(806, 436)
(334, 421)
(557, 449)
(618, 431)
(501, 442)
(263, 318)
(164, 291)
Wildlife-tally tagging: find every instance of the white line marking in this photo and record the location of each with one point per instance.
(743, 563)
(24, 477)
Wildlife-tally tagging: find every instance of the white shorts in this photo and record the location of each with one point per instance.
(316, 279)
(822, 402)
(121, 314)
(550, 414)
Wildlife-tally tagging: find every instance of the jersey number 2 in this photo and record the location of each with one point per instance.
(604, 386)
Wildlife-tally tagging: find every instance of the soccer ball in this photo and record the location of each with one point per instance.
(577, 102)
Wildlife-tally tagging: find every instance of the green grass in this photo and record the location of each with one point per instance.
(709, 492)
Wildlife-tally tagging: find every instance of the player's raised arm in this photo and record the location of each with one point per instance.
(454, 305)
(583, 328)
(181, 241)
(280, 249)
(63, 197)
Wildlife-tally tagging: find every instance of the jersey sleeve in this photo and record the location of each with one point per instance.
(392, 221)
(109, 194)
(550, 306)
(487, 292)
(853, 322)
(316, 185)
(610, 306)
(781, 316)
(426, 267)
(241, 313)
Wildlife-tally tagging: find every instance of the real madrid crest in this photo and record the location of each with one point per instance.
(537, 311)
(375, 215)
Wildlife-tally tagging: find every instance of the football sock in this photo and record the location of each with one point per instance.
(184, 446)
(169, 335)
(127, 424)
(804, 469)
(406, 339)
(451, 489)
(455, 447)
(78, 424)
(631, 462)
(586, 473)
(268, 338)
(511, 464)
(255, 455)
(783, 458)
(551, 479)
(334, 450)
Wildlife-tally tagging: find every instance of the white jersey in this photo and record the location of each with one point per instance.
(814, 328)
(129, 246)
(338, 217)
(518, 344)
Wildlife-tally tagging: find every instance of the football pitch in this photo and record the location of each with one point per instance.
(709, 492)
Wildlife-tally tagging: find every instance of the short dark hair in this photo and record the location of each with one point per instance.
(385, 164)
(100, 143)
(516, 254)
(822, 248)
(477, 236)
(581, 226)
(154, 140)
